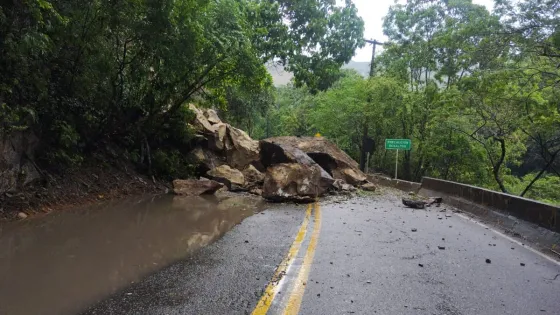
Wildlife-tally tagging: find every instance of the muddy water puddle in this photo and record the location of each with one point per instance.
(63, 262)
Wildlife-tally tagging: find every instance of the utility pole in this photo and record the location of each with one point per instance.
(374, 43)
(364, 156)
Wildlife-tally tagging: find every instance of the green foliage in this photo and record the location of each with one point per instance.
(246, 107)
(313, 38)
(171, 164)
(85, 75)
(478, 93)
(545, 189)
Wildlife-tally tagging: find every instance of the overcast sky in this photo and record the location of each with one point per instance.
(373, 11)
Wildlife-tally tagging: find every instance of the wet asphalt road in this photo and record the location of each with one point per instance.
(370, 256)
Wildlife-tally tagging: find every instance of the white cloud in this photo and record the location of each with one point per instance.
(373, 12)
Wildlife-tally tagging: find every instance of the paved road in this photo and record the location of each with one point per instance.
(365, 255)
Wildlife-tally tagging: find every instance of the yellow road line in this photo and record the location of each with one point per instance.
(270, 291)
(296, 296)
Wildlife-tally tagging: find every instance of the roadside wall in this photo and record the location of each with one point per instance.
(395, 183)
(479, 201)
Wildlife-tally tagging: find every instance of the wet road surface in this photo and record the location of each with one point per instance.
(63, 262)
(365, 255)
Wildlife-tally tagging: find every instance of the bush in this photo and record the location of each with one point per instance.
(171, 164)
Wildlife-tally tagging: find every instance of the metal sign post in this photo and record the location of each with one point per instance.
(396, 164)
(397, 144)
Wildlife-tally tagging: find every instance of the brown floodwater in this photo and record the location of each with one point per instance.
(63, 262)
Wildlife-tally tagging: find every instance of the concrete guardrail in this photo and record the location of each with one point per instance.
(532, 211)
(395, 183)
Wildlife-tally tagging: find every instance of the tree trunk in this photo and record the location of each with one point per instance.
(363, 153)
(552, 158)
(498, 165)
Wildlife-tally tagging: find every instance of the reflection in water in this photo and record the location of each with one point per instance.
(63, 262)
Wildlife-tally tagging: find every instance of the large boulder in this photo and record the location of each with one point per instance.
(241, 150)
(325, 153)
(232, 178)
(210, 127)
(205, 159)
(253, 177)
(212, 116)
(234, 144)
(292, 181)
(273, 153)
(194, 187)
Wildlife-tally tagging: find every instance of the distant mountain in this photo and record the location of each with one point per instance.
(281, 77)
(361, 66)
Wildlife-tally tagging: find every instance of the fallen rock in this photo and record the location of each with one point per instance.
(273, 153)
(232, 178)
(205, 159)
(241, 150)
(22, 215)
(253, 177)
(193, 187)
(214, 131)
(434, 200)
(217, 137)
(340, 185)
(369, 187)
(292, 181)
(416, 204)
(212, 116)
(201, 123)
(256, 191)
(325, 153)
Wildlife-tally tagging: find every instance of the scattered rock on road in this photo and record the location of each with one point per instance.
(369, 187)
(434, 200)
(416, 204)
(488, 261)
(341, 185)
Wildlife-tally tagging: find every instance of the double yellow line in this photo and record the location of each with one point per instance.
(295, 298)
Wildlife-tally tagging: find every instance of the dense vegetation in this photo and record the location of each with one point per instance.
(115, 75)
(477, 92)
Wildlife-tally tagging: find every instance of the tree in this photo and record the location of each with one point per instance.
(311, 38)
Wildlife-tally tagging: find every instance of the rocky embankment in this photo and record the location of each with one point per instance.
(278, 169)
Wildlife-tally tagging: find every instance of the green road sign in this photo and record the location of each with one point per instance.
(397, 144)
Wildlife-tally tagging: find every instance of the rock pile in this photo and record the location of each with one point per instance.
(279, 169)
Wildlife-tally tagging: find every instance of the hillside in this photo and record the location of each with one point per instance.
(281, 77)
